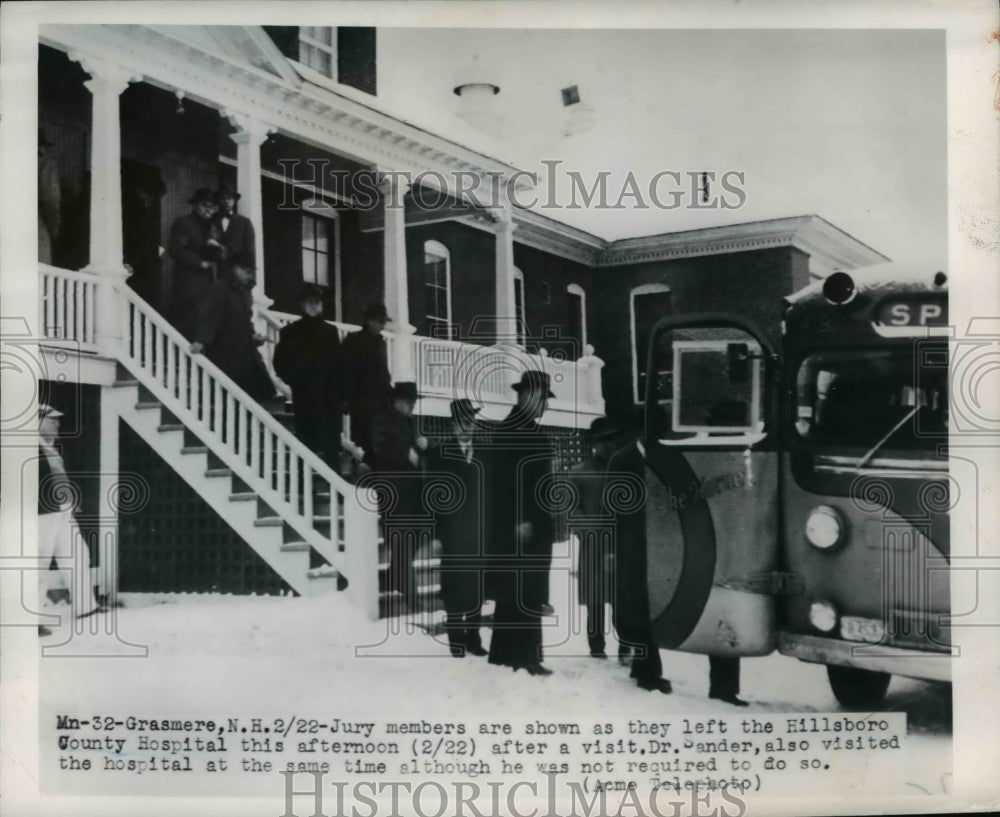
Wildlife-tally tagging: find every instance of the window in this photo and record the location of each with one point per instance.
(577, 303)
(437, 289)
(647, 304)
(520, 321)
(316, 247)
(716, 386)
(318, 49)
(872, 405)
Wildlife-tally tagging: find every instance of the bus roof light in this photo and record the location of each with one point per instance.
(839, 288)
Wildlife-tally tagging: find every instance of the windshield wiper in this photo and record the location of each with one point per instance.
(871, 453)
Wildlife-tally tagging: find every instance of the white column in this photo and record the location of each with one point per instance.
(249, 136)
(109, 484)
(106, 83)
(506, 311)
(394, 186)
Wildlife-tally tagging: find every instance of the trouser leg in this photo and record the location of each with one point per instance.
(723, 676)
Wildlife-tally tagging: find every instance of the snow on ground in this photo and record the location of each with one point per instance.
(226, 656)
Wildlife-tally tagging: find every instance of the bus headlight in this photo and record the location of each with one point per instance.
(823, 527)
(823, 616)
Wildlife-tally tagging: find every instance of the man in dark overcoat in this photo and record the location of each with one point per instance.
(520, 527)
(367, 369)
(236, 232)
(308, 358)
(225, 332)
(196, 252)
(397, 458)
(589, 521)
(458, 526)
(625, 477)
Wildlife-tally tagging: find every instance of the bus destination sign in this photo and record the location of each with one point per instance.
(913, 312)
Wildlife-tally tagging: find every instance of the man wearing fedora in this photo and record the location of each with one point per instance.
(397, 455)
(58, 536)
(459, 529)
(307, 357)
(596, 567)
(368, 382)
(236, 232)
(520, 527)
(196, 251)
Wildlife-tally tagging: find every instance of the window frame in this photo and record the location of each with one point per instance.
(520, 304)
(320, 211)
(307, 41)
(576, 289)
(642, 289)
(433, 247)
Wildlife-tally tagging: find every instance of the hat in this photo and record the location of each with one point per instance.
(462, 409)
(202, 194)
(376, 311)
(310, 292)
(405, 390)
(45, 410)
(43, 140)
(602, 429)
(226, 189)
(538, 381)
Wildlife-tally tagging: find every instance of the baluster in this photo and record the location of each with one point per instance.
(268, 457)
(294, 479)
(258, 455)
(194, 390)
(229, 432)
(147, 340)
(307, 491)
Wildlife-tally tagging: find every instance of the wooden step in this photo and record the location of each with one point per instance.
(218, 472)
(194, 449)
(170, 427)
(295, 547)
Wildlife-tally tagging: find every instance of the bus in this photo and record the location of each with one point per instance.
(797, 488)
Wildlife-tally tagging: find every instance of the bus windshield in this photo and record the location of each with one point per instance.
(870, 406)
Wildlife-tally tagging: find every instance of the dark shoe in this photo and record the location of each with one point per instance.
(659, 685)
(44, 631)
(729, 699)
(599, 654)
(547, 610)
(94, 612)
(458, 651)
(478, 650)
(537, 669)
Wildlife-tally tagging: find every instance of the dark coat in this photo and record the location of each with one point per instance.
(393, 437)
(238, 237)
(367, 369)
(632, 618)
(226, 330)
(188, 248)
(458, 522)
(589, 520)
(141, 246)
(308, 358)
(520, 461)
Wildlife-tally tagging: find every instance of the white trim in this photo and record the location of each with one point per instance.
(576, 289)
(437, 248)
(521, 327)
(642, 289)
(330, 49)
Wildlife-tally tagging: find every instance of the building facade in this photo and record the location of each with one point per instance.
(369, 208)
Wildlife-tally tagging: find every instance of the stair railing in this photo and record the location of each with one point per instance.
(274, 463)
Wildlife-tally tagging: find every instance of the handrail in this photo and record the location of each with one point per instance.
(256, 447)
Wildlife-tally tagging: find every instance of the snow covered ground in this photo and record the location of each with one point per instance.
(227, 656)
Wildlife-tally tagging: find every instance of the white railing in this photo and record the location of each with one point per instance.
(68, 306)
(450, 368)
(283, 472)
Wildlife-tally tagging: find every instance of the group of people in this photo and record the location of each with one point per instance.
(485, 488)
